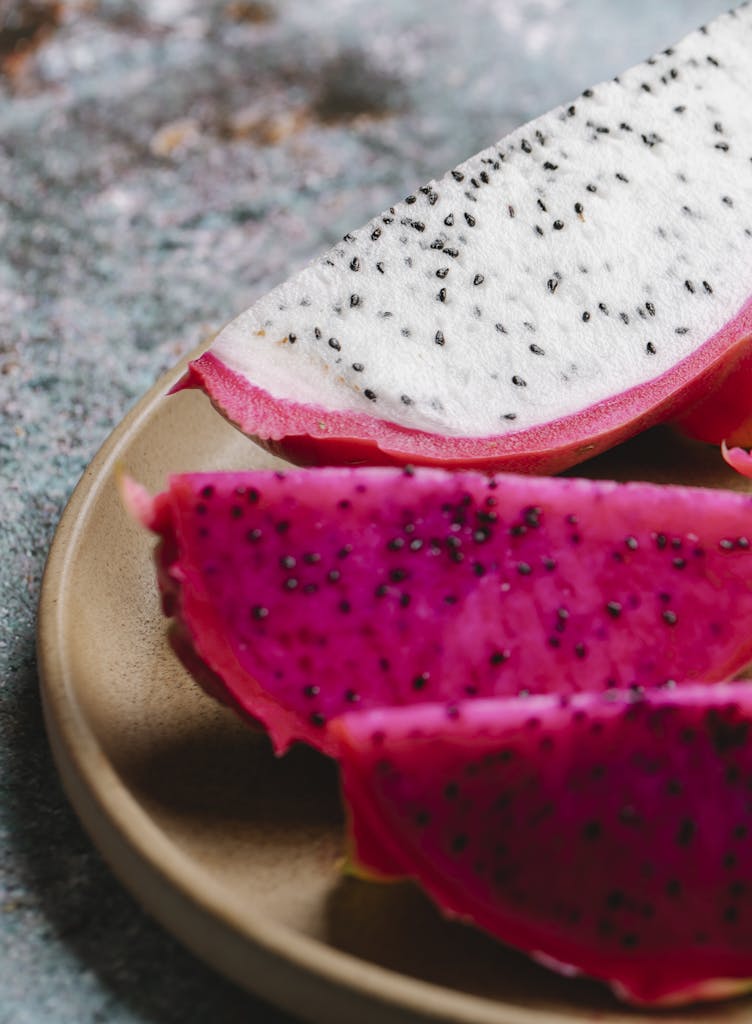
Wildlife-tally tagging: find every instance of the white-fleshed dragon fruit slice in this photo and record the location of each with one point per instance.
(584, 278)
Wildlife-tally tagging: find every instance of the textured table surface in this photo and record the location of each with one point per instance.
(162, 163)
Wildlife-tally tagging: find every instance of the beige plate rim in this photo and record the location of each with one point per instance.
(296, 972)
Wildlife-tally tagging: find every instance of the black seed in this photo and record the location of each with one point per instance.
(458, 175)
(442, 295)
(548, 166)
(650, 348)
(380, 267)
(669, 617)
(558, 225)
(406, 400)
(690, 287)
(333, 575)
(707, 287)
(650, 308)
(681, 330)
(317, 719)
(419, 682)
(355, 263)
(207, 491)
(259, 612)
(358, 367)
(439, 338)
(614, 609)
(451, 252)
(523, 569)
(686, 832)
(591, 188)
(499, 657)
(622, 177)
(287, 562)
(410, 200)
(470, 220)
(580, 650)
(679, 563)
(311, 691)
(254, 535)
(586, 316)
(291, 584)
(478, 279)
(442, 272)
(333, 343)
(578, 208)
(459, 843)
(345, 607)
(397, 575)
(615, 899)
(591, 830)
(519, 382)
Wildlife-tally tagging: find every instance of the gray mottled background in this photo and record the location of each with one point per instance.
(161, 164)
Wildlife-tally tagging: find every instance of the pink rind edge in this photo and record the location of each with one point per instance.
(738, 458)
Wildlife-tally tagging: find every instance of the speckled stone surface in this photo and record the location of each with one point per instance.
(162, 163)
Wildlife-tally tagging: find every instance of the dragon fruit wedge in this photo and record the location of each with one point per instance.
(604, 834)
(584, 278)
(300, 595)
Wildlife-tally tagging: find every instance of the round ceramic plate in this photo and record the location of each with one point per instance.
(236, 852)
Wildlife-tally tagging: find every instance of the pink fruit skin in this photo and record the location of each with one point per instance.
(604, 835)
(301, 595)
(738, 459)
(707, 394)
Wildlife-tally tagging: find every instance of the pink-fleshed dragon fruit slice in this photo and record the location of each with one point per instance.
(609, 835)
(300, 595)
(584, 278)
